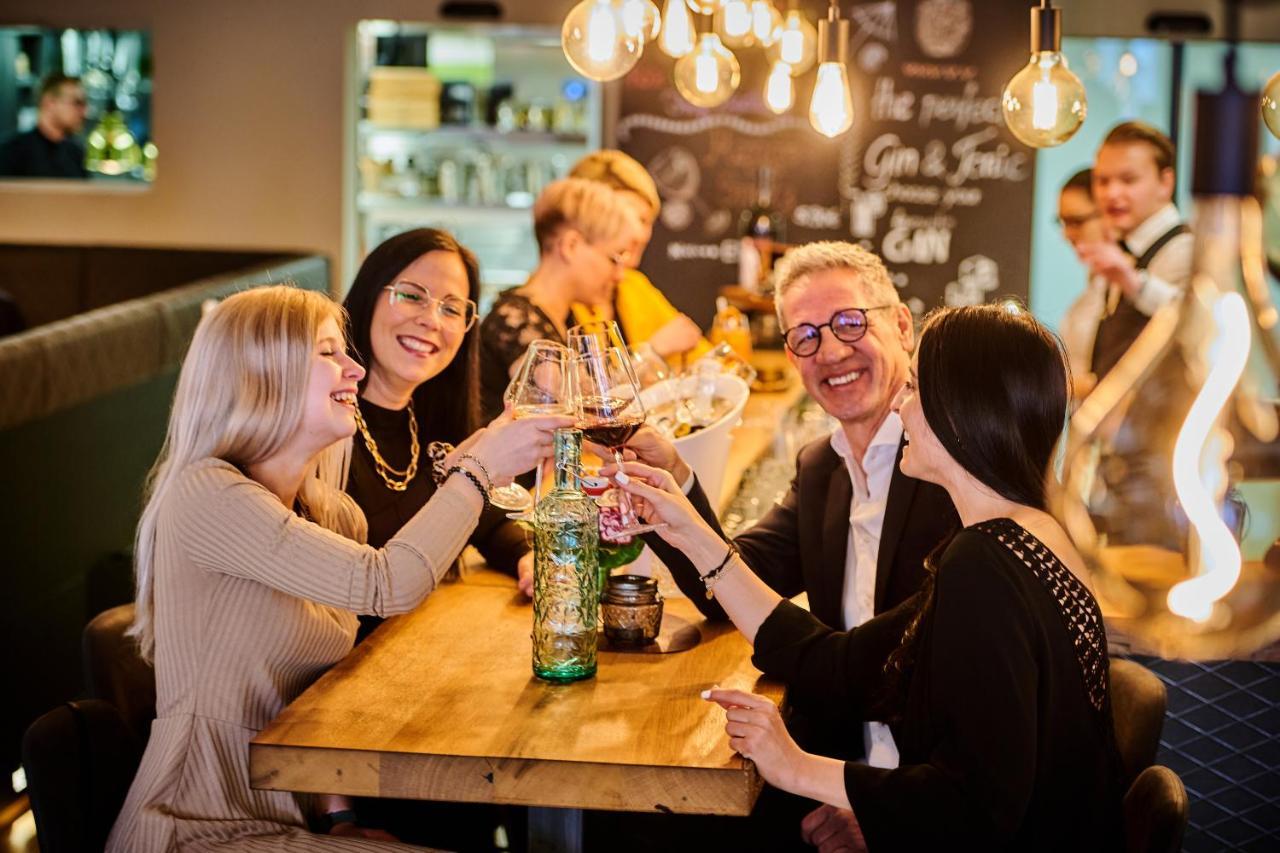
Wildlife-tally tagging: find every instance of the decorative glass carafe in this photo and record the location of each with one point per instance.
(566, 592)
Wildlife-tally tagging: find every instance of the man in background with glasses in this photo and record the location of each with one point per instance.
(853, 530)
(1082, 225)
(50, 149)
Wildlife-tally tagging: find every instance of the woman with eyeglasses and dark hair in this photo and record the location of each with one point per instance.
(584, 232)
(995, 675)
(412, 309)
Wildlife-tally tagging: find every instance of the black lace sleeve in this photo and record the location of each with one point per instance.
(506, 332)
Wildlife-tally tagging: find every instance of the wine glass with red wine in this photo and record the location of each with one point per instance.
(608, 409)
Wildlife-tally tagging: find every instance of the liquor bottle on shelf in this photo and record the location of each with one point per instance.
(730, 326)
(761, 227)
(566, 597)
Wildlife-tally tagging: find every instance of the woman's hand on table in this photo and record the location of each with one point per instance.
(350, 829)
(756, 731)
(524, 575)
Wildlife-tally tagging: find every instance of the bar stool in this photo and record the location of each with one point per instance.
(1155, 812)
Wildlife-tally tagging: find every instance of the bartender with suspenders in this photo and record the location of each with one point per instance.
(1150, 265)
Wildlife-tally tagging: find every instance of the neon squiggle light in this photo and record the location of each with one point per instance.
(1218, 560)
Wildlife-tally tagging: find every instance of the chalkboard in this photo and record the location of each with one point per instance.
(928, 177)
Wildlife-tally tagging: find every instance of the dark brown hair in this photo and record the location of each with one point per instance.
(51, 86)
(1141, 132)
(1081, 180)
(447, 405)
(993, 387)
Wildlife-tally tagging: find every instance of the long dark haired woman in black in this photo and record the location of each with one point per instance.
(412, 313)
(995, 676)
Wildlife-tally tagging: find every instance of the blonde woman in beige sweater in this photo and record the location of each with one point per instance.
(250, 570)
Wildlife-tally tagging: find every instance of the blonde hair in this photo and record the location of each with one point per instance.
(620, 172)
(585, 206)
(835, 255)
(240, 397)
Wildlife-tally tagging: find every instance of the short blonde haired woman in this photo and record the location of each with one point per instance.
(642, 310)
(584, 233)
(250, 570)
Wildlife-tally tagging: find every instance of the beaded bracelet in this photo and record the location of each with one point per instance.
(712, 577)
(483, 470)
(475, 481)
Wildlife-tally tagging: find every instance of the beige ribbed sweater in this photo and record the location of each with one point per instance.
(252, 604)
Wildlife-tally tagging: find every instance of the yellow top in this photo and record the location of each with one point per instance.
(642, 310)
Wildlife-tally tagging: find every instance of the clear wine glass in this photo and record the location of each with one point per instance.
(539, 387)
(608, 408)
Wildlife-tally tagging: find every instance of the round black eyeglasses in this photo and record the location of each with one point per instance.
(848, 325)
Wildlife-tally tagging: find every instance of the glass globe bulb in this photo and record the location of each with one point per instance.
(704, 7)
(1044, 104)
(766, 22)
(1168, 478)
(733, 23)
(640, 18)
(708, 75)
(831, 110)
(1271, 105)
(596, 42)
(779, 90)
(676, 38)
(796, 43)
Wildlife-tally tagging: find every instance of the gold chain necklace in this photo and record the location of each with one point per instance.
(385, 471)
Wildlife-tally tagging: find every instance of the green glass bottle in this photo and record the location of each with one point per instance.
(566, 600)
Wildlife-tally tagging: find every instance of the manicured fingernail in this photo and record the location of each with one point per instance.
(622, 478)
(706, 694)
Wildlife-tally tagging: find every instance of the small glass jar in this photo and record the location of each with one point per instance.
(632, 610)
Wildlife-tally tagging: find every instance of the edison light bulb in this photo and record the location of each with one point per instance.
(641, 18)
(779, 91)
(676, 39)
(704, 7)
(1044, 104)
(766, 22)
(1271, 105)
(796, 43)
(831, 110)
(708, 75)
(733, 23)
(596, 42)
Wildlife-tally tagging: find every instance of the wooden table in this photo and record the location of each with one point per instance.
(441, 704)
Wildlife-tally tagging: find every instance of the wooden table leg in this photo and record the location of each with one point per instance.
(555, 830)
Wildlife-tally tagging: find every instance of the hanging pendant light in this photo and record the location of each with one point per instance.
(676, 38)
(831, 110)
(766, 22)
(1271, 105)
(641, 19)
(779, 88)
(709, 74)
(1162, 489)
(796, 43)
(733, 23)
(596, 41)
(1044, 104)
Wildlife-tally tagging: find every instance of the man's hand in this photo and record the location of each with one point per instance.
(832, 830)
(1114, 264)
(653, 449)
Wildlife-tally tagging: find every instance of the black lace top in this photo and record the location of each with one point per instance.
(1080, 613)
(511, 325)
(1004, 730)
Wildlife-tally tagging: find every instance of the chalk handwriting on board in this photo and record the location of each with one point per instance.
(692, 126)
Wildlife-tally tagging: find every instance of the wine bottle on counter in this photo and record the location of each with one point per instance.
(565, 571)
(761, 228)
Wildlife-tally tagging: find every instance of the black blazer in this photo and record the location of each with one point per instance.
(799, 545)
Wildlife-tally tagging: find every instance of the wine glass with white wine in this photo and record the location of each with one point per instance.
(539, 387)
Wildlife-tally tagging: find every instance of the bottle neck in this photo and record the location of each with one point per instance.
(568, 456)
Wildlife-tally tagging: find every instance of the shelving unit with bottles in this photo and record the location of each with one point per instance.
(460, 127)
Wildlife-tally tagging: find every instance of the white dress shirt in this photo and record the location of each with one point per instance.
(870, 477)
(1079, 325)
(1169, 272)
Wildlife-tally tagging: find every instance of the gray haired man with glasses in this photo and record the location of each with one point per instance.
(853, 530)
